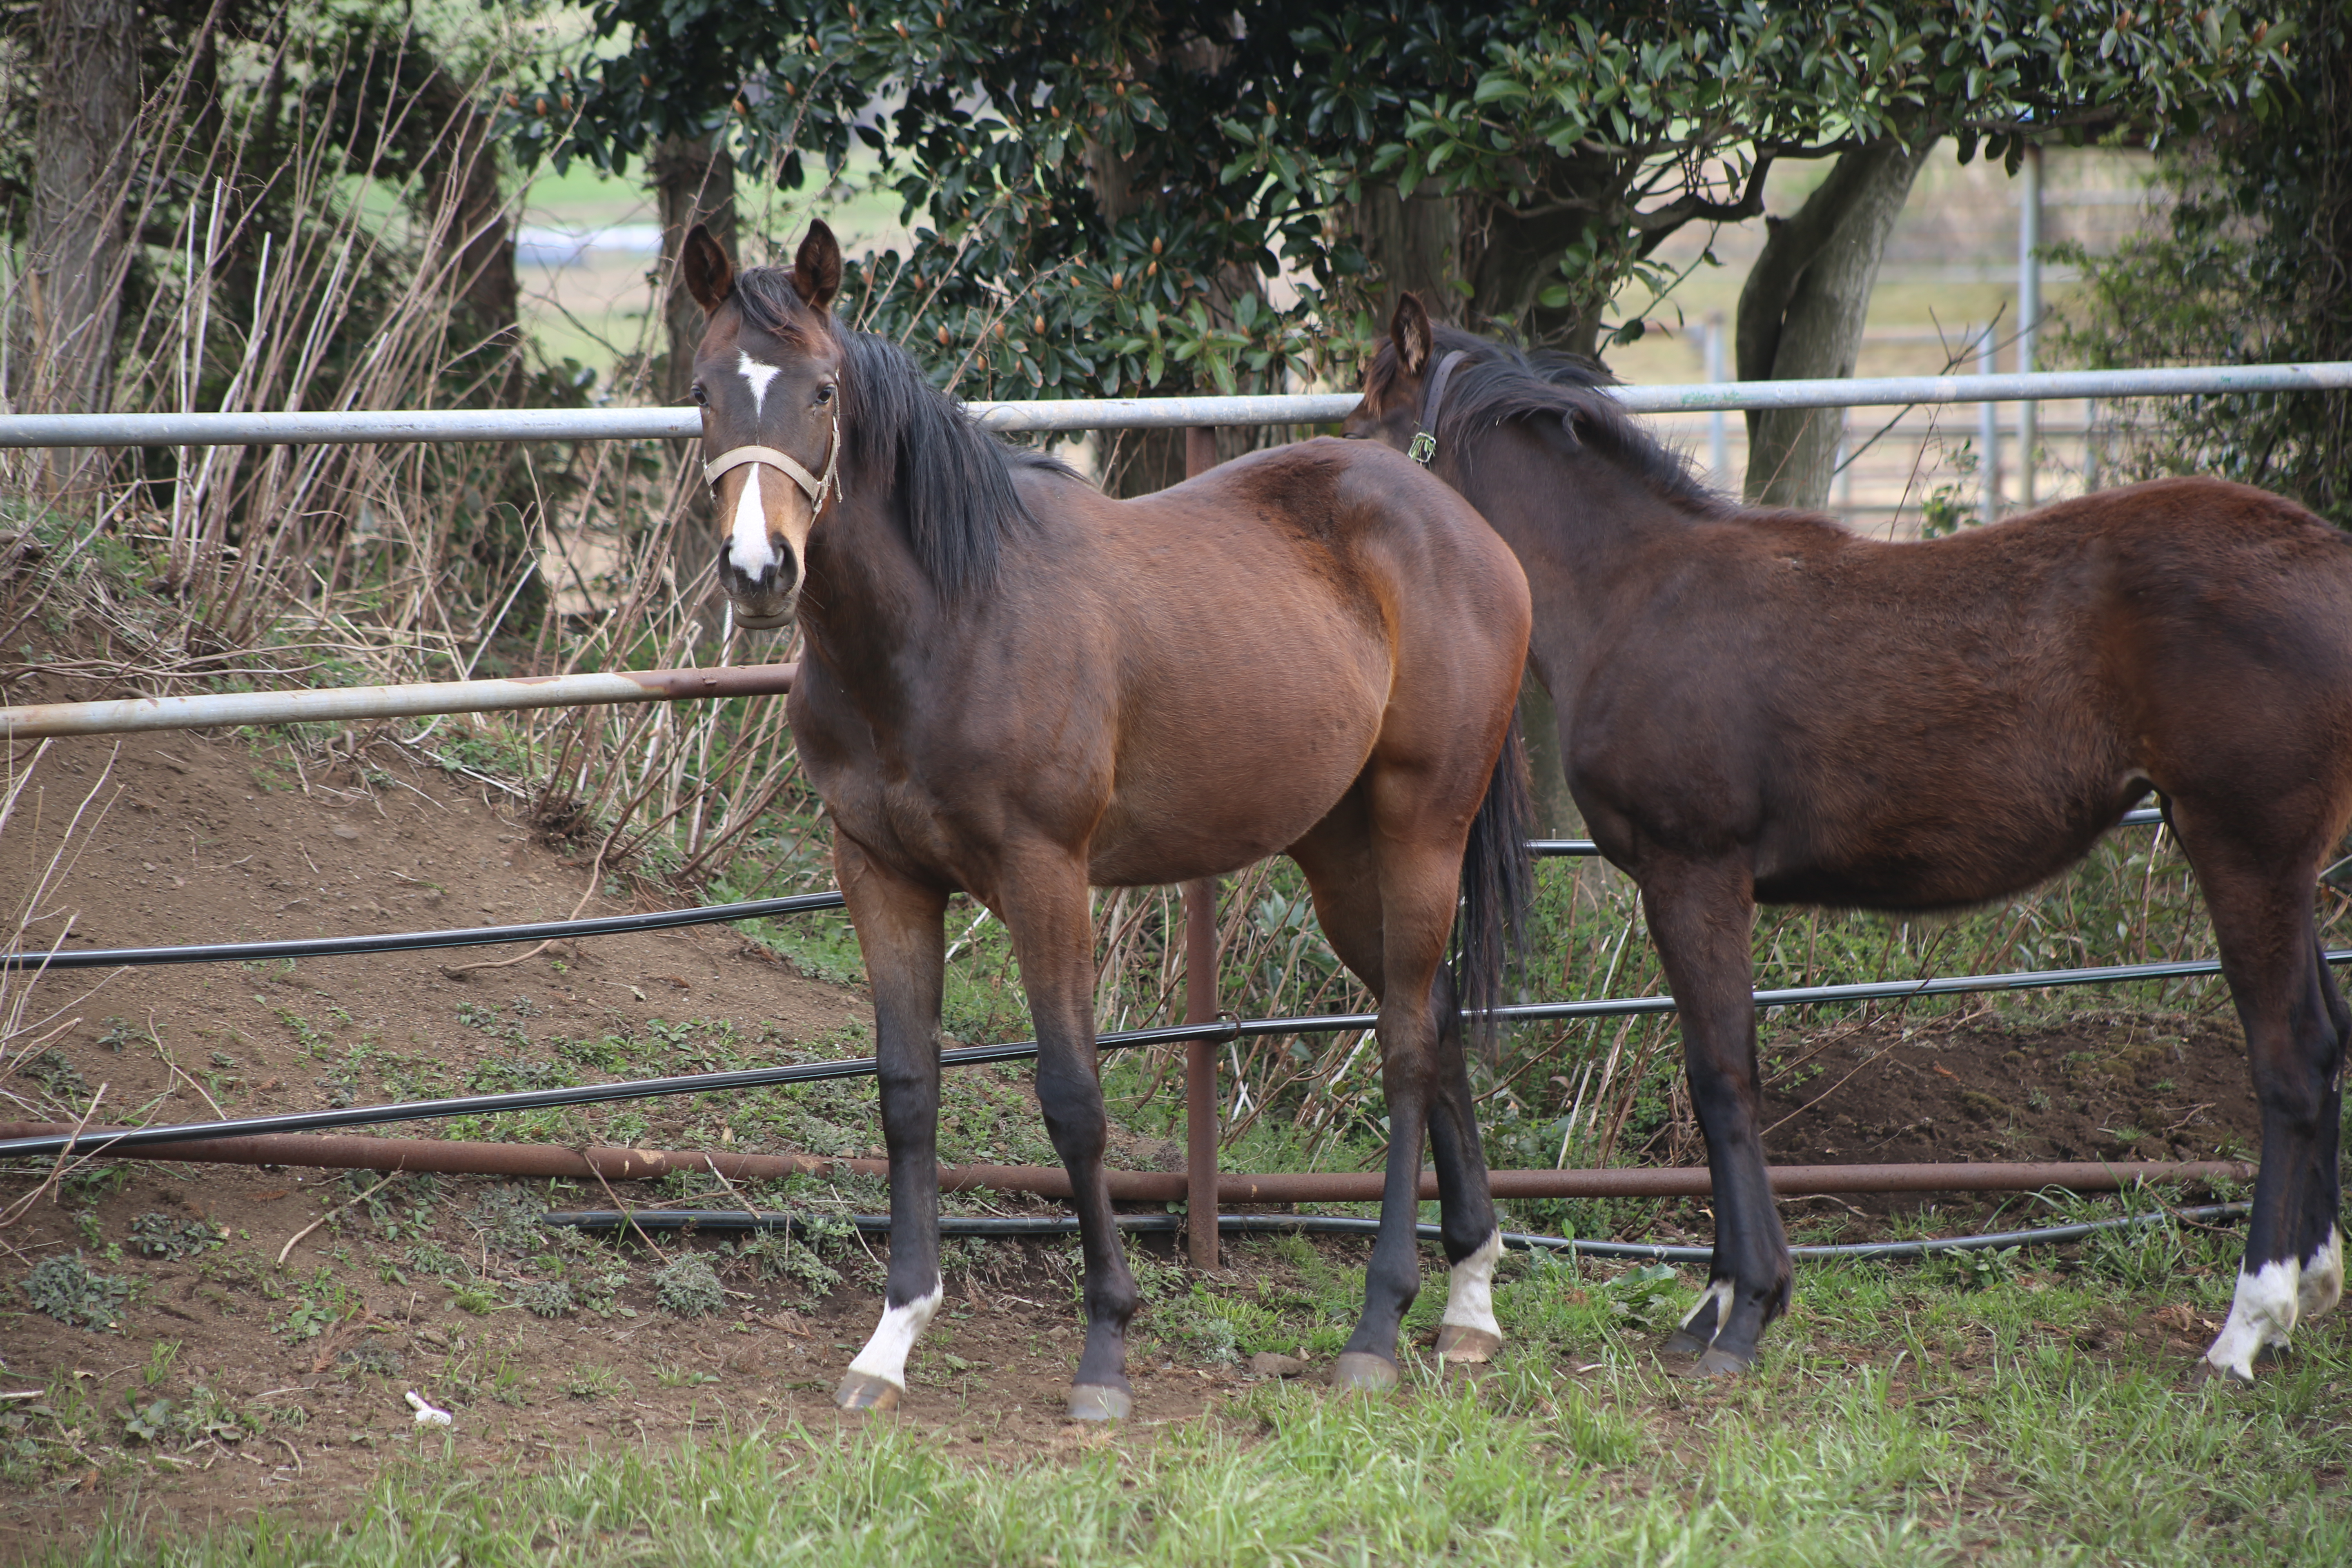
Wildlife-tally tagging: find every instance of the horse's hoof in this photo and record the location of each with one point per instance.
(1681, 1345)
(1099, 1401)
(1456, 1344)
(2202, 1371)
(863, 1391)
(1361, 1372)
(1715, 1363)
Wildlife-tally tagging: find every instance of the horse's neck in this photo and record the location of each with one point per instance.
(1585, 531)
(867, 602)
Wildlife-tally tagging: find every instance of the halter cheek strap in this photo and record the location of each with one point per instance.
(1425, 440)
(816, 488)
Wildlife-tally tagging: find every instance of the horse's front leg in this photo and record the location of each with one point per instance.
(1043, 898)
(900, 933)
(1701, 917)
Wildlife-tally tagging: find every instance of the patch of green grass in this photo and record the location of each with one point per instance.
(1571, 1449)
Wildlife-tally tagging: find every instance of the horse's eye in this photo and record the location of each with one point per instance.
(824, 394)
(701, 397)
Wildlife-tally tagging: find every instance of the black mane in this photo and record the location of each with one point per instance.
(1499, 383)
(907, 439)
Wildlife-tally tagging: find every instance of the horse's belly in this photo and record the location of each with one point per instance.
(1918, 872)
(1209, 794)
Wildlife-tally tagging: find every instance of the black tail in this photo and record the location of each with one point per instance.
(1497, 881)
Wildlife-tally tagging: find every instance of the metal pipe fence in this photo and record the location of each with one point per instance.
(1218, 1031)
(551, 931)
(204, 711)
(1064, 414)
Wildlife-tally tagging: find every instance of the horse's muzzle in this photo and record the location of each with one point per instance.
(766, 603)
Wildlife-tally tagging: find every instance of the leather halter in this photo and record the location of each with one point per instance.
(1424, 441)
(812, 486)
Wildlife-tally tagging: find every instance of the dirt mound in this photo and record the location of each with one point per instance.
(2085, 1087)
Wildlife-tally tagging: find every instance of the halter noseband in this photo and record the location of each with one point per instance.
(1424, 441)
(814, 487)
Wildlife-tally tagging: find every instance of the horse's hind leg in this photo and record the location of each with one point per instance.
(1474, 1243)
(1432, 1080)
(899, 929)
(2322, 1286)
(2294, 1023)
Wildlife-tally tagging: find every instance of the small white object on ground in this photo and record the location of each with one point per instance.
(426, 1416)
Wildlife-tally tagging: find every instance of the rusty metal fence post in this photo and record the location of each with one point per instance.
(1201, 1095)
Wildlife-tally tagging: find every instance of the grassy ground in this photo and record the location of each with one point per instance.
(2028, 1412)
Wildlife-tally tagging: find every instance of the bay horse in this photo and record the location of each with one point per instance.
(1015, 687)
(1758, 706)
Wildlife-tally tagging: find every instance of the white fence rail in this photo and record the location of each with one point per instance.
(1138, 412)
(1074, 414)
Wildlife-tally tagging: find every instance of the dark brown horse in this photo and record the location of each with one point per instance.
(1760, 706)
(1016, 689)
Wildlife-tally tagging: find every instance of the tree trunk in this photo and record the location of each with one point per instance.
(1413, 243)
(694, 182)
(1555, 809)
(1802, 313)
(477, 241)
(82, 134)
(1510, 259)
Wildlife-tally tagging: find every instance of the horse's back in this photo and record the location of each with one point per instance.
(1274, 622)
(1859, 696)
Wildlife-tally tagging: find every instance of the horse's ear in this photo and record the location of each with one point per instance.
(710, 275)
(816, 269)
(1409, 330)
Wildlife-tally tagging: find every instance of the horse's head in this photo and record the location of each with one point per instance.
(767, 377)
(1395, 381)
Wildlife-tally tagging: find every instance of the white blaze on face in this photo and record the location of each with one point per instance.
(2322, 1276)
(2263, 1314)
(1470, 1297)
(748, 549)
(885, 1356)
(757, 376)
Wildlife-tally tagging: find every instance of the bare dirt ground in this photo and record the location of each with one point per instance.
(2089, 1086)
(285, 1384)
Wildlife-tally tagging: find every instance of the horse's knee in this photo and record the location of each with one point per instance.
(1071, 1103)
(1113, 1298)
(1393, 1278)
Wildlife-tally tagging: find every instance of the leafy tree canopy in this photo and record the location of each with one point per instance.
(1113, 189)
(2252, 265)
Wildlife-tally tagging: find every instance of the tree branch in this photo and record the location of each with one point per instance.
(1692, 205)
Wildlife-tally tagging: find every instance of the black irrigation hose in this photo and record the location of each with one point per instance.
(541, 931)
(1220, 1031)
(1342, 1224)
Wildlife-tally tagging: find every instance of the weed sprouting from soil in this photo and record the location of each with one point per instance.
(161, 1236)
(689, 1287)
(547, 1299)
(69, 1291)
(507, 1218)
(778, 1254)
